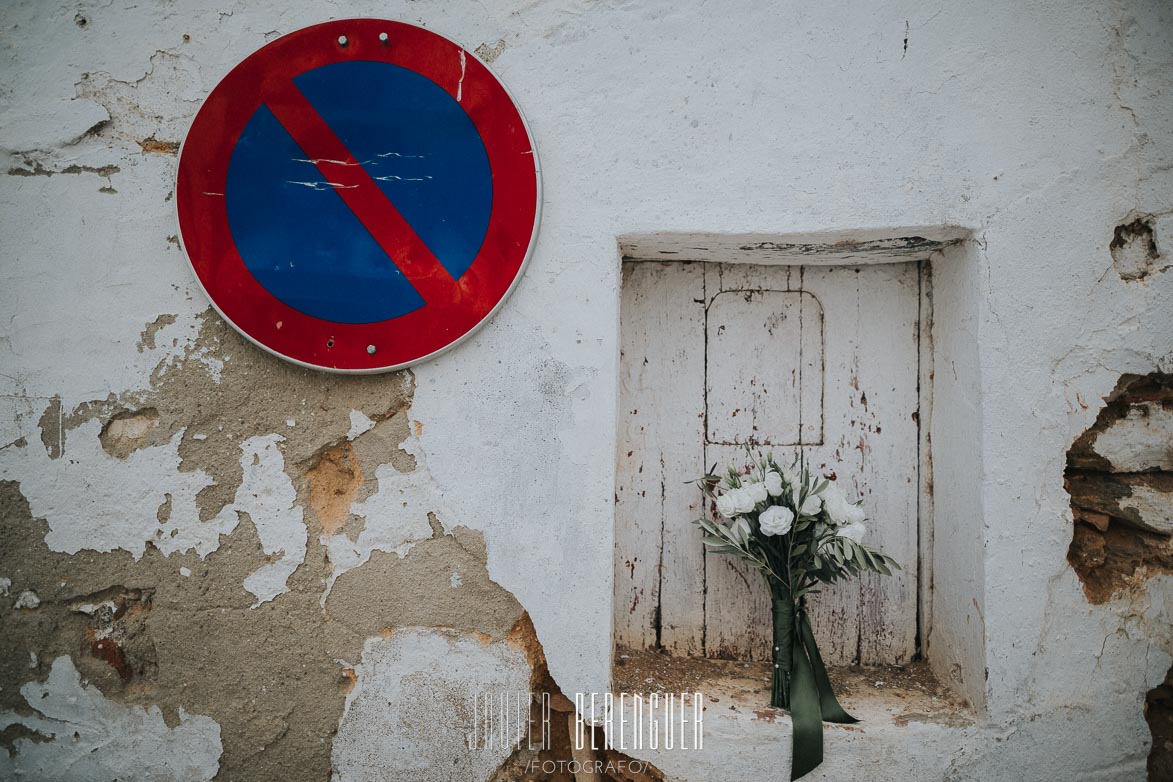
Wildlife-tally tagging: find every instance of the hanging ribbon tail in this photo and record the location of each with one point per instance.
(828, 703)
(812, 701)
(805, 714)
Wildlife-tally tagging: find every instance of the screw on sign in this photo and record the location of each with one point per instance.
(358, 196)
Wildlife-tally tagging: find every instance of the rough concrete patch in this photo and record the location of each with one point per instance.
(396, 506)
(222, 391)
(36, 168)
(154, 145)
(416, 590)
(125, 432)
(147, 340)
(334, 480)
(52, 432)
(89, 737)
(490, 53)
(539, 761)
(1134, 250)
(411, 713)
(159, 105)
(270, 676)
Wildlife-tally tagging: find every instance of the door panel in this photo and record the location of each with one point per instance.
(818, 359)
(659, 563)
(754, 374)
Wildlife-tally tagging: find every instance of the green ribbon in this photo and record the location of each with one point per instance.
(801, 684)
(782, 656)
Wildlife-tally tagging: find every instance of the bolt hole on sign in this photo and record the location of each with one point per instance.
(358, 196)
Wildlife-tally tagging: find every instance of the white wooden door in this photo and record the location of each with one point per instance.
(714, 357)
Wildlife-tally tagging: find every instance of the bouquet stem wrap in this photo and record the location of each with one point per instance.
(800, 684)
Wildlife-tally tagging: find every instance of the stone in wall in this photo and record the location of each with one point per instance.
(1158, 712)
(1120, 478)
(1139, 247)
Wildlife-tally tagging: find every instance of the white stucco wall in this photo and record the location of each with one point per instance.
(1037, 128)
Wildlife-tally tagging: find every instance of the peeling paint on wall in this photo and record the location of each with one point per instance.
(1048, 130)
(273, 676)
(267, 498)
(75, 733)
(116, 502)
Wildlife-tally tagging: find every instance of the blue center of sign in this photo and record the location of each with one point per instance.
(301, 241)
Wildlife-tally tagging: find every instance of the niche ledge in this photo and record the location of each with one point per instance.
(906, 718)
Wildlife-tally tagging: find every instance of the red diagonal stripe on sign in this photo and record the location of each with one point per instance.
(361, 194)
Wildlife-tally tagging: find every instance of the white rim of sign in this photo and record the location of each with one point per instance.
(529, 251)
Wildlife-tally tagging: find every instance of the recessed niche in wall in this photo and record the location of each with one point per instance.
(819, 348)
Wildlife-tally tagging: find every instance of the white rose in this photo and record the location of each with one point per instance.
(776, 520)
(811, 506)
(757, 492)
(838, 508)
(793, 479)
(742, 500)
(773, 483)
(727, 504)
(853, 531)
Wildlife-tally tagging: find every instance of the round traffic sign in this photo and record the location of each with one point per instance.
(358, 196)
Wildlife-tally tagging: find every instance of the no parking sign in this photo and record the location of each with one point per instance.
(358, 195)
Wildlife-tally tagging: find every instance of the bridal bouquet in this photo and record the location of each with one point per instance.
(799, 530)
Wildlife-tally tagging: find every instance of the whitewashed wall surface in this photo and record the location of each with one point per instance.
(943, 230)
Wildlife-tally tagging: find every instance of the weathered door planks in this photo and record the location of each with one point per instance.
(661, 446)
(822, 359)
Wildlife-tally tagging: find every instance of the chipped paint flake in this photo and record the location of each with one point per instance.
(1141, 441)
(460, 84)
(359, 423)
(267, 496)
(323, 185)
(115, 502)
(395, 517)
(81, 735)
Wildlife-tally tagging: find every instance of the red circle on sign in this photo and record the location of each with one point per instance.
(453, 308)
